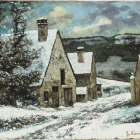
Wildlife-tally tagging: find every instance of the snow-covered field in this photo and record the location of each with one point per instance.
(112, 87)
(108, 117)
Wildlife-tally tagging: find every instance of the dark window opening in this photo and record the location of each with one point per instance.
(55, 88)
(46, 98)
(81, 96)
(62, 77)
(98, 89)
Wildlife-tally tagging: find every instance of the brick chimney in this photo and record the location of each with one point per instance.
(80, 54)
(42, 29)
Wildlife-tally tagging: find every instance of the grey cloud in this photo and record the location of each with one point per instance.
(110, 11)
(124, 8)
(133, 20)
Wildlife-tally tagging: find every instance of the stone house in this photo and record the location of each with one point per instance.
(57, 85)
(83, 65)
(62, 75)
(135, 84)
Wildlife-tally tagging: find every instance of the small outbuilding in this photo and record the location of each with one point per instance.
(81, 94)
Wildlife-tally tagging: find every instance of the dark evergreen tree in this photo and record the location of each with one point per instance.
(15, 52)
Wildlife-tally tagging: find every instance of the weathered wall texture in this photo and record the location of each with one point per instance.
(82, 80)
(93, 79)
(42, 32)
(133, 91)
(80, 55)
(58, 61)
(135, 85)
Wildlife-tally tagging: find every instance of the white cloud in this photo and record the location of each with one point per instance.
(129, 16)
(90, 30)
(60, 18)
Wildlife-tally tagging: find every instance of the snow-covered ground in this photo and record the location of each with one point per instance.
(108, 117)
(112, 87)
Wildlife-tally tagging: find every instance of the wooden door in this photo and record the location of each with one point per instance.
(68, 96)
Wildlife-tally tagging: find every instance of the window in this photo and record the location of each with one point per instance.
(46, 98)
(81, 96)
(55, 88)
(62, 77)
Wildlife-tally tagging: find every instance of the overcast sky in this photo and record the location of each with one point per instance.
(82, 19)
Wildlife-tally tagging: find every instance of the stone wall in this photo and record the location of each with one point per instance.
(137, 83)
(93, 80)
(82, 80)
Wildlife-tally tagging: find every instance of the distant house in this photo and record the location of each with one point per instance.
(135, 84)
(57, 85)
(83, 65)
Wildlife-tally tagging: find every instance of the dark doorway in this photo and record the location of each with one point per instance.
(46, 98)
(55, 96)
(68, 96)
(80, 97)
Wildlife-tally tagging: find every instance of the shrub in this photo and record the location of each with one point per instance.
(124, 76)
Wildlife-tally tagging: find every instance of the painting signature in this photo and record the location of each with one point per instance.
(132, 133)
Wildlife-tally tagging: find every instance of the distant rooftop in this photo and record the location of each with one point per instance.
(81, 68)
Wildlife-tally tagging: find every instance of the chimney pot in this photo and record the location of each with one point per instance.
(80, 54)
(42, 29)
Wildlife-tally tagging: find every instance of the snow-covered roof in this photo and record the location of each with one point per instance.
(46, 49)
(81, 68)
(80, 47)
(81, 90)
(42, 18)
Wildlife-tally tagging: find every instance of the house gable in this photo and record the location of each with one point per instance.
(58, 61)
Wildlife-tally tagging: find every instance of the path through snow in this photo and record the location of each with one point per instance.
(108, 117)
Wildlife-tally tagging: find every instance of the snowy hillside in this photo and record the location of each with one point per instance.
(116, 69)
(108, 117)
(88, 40)
(127, 38)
